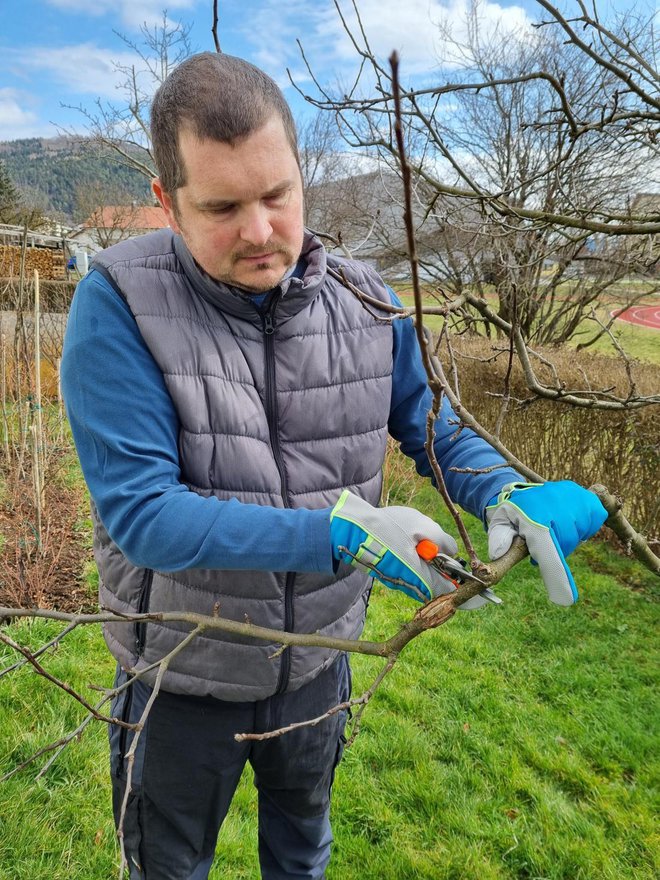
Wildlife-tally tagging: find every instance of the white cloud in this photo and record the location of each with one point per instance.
(15, 120)
(272, 31)
(411, 27)
(82, 69)
(129, 13)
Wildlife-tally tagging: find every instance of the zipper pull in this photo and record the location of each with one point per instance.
(268, 322)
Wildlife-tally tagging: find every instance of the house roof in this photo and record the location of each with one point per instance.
(127, 217)
(646, 203)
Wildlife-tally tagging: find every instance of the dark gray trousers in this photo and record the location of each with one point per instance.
(188, 765)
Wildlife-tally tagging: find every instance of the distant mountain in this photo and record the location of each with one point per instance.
(52, 170)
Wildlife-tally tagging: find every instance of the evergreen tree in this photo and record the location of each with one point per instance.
(10, 199)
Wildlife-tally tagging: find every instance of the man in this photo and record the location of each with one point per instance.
(230, 402)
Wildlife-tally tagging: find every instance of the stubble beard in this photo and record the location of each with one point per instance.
(266, 266)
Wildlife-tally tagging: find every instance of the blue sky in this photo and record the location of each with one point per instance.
(55, 52)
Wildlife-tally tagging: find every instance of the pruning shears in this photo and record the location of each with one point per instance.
(452, 568)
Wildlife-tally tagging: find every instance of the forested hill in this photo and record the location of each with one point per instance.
(52, 172)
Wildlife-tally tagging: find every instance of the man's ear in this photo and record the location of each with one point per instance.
(167, 203)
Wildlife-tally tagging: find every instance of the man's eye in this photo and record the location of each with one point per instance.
(222, 209)
(278, 199)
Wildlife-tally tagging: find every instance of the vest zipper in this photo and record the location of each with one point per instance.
(285, 667)
(143, 607)
(272, 417)
(123, 731)
(271, 395)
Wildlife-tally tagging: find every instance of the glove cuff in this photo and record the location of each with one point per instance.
(503, 495)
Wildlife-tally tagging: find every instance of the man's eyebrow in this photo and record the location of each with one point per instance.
(214, 203)
(280, 187)
(206, 204)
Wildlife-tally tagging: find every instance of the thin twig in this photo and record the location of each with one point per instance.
(51, 644)
(366, 696)
(484, 470)
(56, 746)
(360, 701)
(32, 660)
(138, 728)
(214, 29)
(435, 385)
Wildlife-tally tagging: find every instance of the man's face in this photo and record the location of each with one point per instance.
(241, 210)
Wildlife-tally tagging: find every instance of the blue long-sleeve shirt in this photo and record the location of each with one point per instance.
(125, 430)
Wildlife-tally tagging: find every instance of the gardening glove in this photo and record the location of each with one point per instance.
(386, 538)
(553, 518)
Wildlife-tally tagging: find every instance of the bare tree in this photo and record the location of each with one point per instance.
(121, 129)
(545, 276)
(107, 212)
(319, 147)
(525, 186)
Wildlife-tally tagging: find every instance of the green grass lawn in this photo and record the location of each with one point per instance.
(640, 343)
(514, 742)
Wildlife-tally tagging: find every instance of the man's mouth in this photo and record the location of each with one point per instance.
(250, 256)
(259, 258)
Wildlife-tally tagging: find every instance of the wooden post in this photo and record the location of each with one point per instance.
(5, 404)
(38, 455)
(36, 482)
(19, 330)
(60, 404)
(21, 275)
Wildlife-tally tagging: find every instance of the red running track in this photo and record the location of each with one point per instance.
(644, 316)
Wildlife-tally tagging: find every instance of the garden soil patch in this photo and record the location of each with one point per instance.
(50, 576)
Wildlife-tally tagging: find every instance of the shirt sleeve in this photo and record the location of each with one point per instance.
(411, 401)
(125, 429)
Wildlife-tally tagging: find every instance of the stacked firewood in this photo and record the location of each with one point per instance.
(48, 262)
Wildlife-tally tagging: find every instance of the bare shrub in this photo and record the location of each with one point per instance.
(42, 571)
(41, 546)
(56, 296)
(618, 448)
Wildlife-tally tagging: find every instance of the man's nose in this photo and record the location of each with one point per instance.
(255, 226)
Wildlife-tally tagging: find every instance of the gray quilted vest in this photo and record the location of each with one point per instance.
(283, 411)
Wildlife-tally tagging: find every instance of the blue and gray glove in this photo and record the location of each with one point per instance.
(553, 518)
(386, 538)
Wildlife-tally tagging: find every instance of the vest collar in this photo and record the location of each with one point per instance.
(294, 293)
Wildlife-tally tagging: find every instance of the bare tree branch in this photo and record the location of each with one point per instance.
(32, 660)
(120, 128)
(53, 643)
(360, 701)
(138, 728)
(214, 29)
(625, 531)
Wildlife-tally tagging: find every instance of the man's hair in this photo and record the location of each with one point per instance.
(218, 97)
